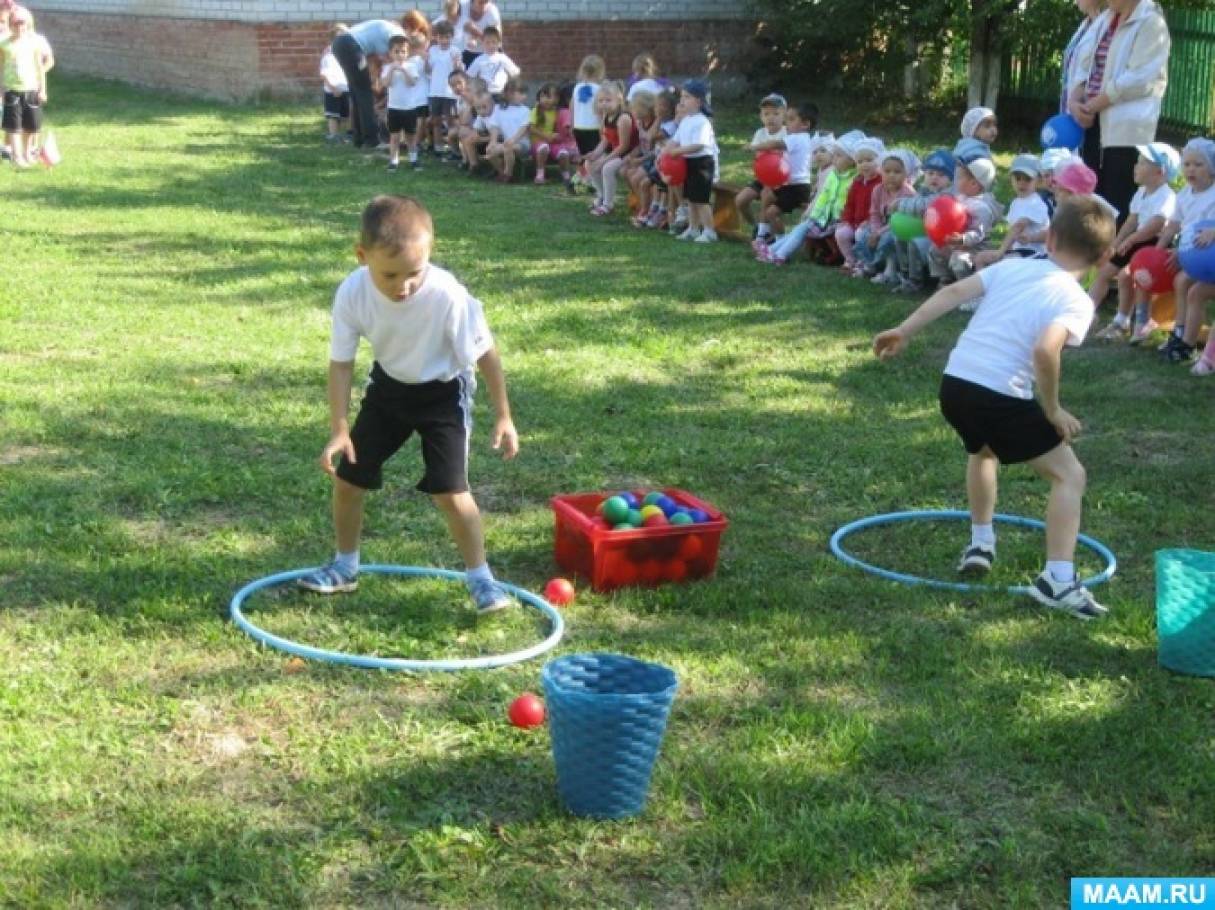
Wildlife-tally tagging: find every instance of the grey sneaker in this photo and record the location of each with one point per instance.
(489, 596)
(1070, 596)
(976, 560)
(329, 580)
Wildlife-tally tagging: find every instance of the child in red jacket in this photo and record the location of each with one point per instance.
(856, 209)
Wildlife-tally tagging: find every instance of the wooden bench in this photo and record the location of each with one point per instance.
(726, 220)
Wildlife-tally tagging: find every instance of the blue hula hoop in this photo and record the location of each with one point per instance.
(1111, 562)
(372, 662)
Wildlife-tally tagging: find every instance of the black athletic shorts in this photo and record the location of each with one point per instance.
(586, 140)
(1016, 429)
(792, 196)
(442, 107)
(439, 412)
(404, 121)
(22, 112)
(337, 107)
(1122, 262)
(698, 187)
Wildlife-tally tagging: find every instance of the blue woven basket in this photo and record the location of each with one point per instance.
(607, 714)
(1185, 611)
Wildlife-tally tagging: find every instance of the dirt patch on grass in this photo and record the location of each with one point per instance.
(13, 455)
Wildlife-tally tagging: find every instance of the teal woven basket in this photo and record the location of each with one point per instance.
(1185, 611)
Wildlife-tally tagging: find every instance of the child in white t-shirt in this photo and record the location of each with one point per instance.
(695, 141)
(1030, 310)
(428, 335)
(493, 66)
(335, 90)
(584, 109)
(509, 131)
(442, 59)
(474, 138)
(772, 115)
(1153, 205)
(798, 143)
(404, 78)
(1028, 219)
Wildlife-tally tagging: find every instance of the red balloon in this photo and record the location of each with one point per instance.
(945, 216)
(559, 592)
(1151, 271)
(772, 168)
(526, 711)
(674, 169)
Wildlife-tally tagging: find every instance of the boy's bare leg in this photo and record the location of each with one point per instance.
(464, 521)
(1068, 480)
(981, 470)
(347, 515)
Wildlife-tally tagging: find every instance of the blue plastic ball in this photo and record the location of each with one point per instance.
(700, 516)
(667, 504)
(1062, 132)
(1197, 261)
(633, 501)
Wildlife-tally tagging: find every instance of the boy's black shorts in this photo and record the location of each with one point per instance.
(22, 112)
(792, 196)
(586, 140)
(1122, 262)
(337, 107)
(442, 107)
(698, 187)
(439, 412)
(400, 121)
(1016, 429)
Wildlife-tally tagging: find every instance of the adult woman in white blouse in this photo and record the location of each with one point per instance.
(475, 17)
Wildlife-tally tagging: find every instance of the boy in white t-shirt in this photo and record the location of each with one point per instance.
(801, 120)
(1028, 218)
(1030, 310)
(1153, 205)
(509, 129)
(442, 59)
(695, 141)
(772, 115)
(427, 334)
(404, 77)
(493, 66)
(336, 91)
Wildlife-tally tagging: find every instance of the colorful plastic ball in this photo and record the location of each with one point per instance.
(650, 572)
(906, 227)
(616, 510)
(667, 504)
(691, 547)
(1062, 131)
(945, 216)
(676, 570)
(526, 711)
(631, 499)
(623, 526)
(1151, 271)
(700, 516)
(635, 517)
(1197, 261)
(650, 498)
(650, 509)
(559, 592)
(772, 168)
(656, 520)
(674, 169)
(682, 518)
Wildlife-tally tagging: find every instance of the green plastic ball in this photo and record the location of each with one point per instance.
(651, 498)
(634, 518)
(682, 518)
(616, 510)
(624, 526)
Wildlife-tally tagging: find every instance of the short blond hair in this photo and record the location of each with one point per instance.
(592, 68)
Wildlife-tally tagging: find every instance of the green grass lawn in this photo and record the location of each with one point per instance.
(838, 741)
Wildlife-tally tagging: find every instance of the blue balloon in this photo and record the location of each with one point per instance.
(1197, 261)
(633, 501)
(1062, 132)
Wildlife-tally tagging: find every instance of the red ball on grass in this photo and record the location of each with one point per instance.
(559, 592)
(526, 711)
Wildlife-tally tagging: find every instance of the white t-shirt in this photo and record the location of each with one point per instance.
(1022, 297)
(697, 129)
(583, 104)
(438, 333)
(509, 120)
(1194, 207)
(1033, 210)
(495, 69)
(1161, 201)
(489, 16)
(797, 149)
(332, 73)
(644, 85)
(762, 135)
(401, 95)
(440, 64)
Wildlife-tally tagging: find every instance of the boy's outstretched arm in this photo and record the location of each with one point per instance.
(505, 436)
(1048, 355)
(341, 380)
(892, 342)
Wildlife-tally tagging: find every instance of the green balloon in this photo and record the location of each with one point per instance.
(906, 227)
(616, 510)
(634, 518)
(682, 518)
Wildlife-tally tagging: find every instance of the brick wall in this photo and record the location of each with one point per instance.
(236, 60)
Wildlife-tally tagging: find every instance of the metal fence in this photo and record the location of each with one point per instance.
(1031, 82)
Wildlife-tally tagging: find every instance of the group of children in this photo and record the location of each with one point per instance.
(25, 59)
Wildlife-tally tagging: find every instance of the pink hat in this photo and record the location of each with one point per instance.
(20, 14)
(1076, 176)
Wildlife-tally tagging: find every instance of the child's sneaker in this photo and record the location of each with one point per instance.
(1115, 332)
(1070, 596)
(540, 178)
(1143, 332)
(1168, 343)
(392, 166)
(1202, 367)
(976, 560)
(489, 596)
(690, 234)
(708, 235)
(328, 579)
(1179, 352)
(906, 286)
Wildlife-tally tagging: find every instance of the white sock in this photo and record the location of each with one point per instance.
(983, 536)
(762, 229)
(1060, 570)
(347, 563)
(480, 573)
(413, 155)
(1122, 319)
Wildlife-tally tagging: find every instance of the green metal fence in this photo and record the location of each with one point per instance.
(1031, 77)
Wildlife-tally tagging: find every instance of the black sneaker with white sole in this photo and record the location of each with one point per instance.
(1070, 596)
(976, 560)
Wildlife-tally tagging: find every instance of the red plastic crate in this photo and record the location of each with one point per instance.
(644, 556)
